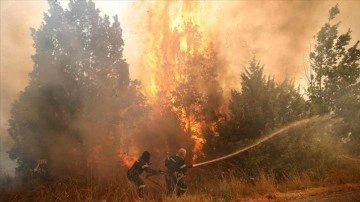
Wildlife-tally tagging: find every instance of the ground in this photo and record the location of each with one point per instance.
(344, 196)
(343, 193)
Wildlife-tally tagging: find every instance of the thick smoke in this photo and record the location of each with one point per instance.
(279, 33)
(16, 49)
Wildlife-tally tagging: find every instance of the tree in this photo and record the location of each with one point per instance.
(79, 87)
(197, 95)
(251, 109)
(335, 67)
(291, 105)
(334, 85)
(261, 105)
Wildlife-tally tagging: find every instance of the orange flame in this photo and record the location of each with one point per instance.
(175, 36)
(128, 158)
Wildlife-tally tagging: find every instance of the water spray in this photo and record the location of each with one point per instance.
(264, 139)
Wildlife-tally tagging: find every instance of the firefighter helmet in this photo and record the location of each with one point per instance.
(146, 156)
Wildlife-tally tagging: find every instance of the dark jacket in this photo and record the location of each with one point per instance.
(175, 163)
(139, 167)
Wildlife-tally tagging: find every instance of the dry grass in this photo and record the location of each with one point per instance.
(204, 185)
(297, 182)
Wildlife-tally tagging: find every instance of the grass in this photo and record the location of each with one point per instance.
(204, 184)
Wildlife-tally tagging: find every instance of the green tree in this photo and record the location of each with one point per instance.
(252, 108)
(79, 87)
(290, 104)
(335, 68)
(334, 84)
(261, 105)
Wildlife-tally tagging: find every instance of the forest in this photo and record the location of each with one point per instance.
(82, 120)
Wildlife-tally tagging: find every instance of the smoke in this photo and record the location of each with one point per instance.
(85, 141)
(162, 136)
(276, 32)
(279, 33)
(16, 49)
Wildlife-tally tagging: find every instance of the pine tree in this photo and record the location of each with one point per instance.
(250, 108)
(79, 87)
(261, 105)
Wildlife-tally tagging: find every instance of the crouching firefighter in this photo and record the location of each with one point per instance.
(174, 177)
(141, 165)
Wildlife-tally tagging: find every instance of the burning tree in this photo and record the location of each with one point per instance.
(79, 92)
(180, 70)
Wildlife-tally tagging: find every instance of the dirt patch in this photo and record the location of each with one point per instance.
(347, 196)
(344, 193)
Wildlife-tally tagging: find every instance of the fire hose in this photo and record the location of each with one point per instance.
(147, 177)
(266, 138)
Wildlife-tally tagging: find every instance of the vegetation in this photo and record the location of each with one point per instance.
(261, 105)
(334, 84)
(205, 184)
(335, 69)
(79, 78)
(63, 122)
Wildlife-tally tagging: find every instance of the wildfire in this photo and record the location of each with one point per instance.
(128, 158)
(175, 37)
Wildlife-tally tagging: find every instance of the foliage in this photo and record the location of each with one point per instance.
(334, 84)
(204, 184)
(197, 96)
(311, 148)
(261, 105)
(335, 67)
(79, 88)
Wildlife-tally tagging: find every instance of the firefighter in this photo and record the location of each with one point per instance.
(141, 165)
(174, 177)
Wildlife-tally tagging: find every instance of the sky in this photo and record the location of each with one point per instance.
(280, 34)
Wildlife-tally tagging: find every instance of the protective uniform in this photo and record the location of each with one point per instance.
(176, 169)
(141, 165)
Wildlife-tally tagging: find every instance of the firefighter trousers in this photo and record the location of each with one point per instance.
(139, 184)
(175, 184)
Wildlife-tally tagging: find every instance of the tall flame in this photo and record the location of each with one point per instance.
(175, 37)
(174, 34)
